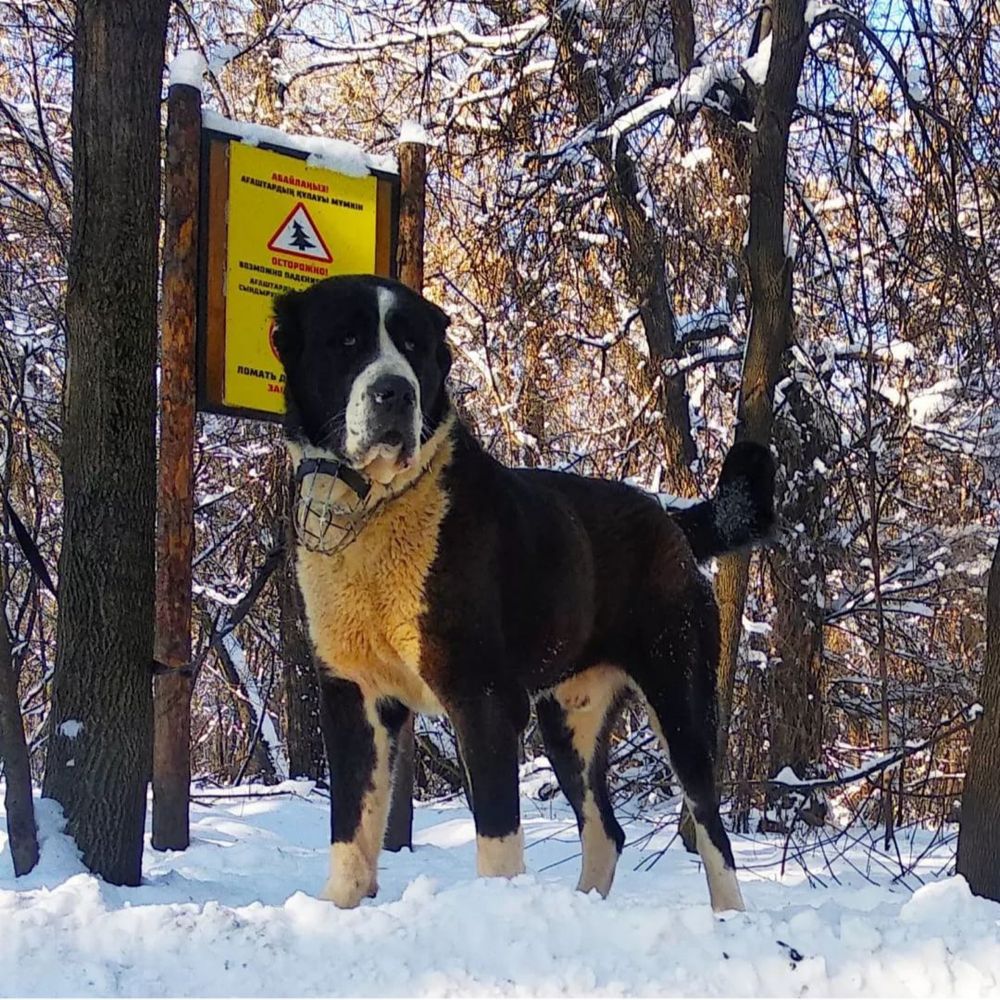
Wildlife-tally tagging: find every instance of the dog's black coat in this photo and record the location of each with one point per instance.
(541, 581)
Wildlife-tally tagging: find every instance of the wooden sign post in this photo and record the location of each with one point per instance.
(245, 221)
(175, 501)
(410, 258)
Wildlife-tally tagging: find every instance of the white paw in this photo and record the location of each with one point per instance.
(352, 876)
(601, 881)
(347, 893)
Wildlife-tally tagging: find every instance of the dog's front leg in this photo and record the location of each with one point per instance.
(358, 740)
(489, 728)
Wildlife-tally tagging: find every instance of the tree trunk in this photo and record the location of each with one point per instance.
(18, 803)
(771, 298)
(99, 755)
(682, 23)
(797, 572)
(731, 595)
(979, 834)
(306, 758)
(303, 736)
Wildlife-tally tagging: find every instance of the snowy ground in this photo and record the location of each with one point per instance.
(235, 914)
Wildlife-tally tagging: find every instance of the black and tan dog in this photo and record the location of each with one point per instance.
(437, 580)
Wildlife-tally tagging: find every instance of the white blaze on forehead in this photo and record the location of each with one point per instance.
(388, 360)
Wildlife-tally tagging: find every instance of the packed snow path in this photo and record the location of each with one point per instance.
(236, 914)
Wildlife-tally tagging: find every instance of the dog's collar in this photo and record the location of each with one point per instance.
(336, 470)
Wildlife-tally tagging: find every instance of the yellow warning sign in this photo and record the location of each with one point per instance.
(289, 224)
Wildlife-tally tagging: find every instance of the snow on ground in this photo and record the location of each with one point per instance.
(236, 914)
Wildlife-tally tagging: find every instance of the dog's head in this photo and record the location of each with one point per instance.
(365, 362)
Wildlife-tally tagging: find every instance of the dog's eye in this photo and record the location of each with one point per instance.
(409, 346)
(350, 341)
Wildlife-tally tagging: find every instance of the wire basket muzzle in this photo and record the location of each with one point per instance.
(320, 523)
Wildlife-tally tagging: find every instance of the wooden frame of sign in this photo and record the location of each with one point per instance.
(213, 256)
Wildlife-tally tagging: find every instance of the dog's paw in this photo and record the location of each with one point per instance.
(353, 876)
(347, 893)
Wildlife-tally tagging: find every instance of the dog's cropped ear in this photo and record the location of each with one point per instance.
(441, 321)
(444, 358)
(288, 326)
(439, 318)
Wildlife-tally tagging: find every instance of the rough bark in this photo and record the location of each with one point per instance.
(771, 300)
(682, 20)
(100, 750)
(306, 757)
(175, 501)
(412, 212)
(979, 833)
(20, 809)
(797, 570)
(269, 90)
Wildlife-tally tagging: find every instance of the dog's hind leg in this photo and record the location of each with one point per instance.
(678, 682)
(574, 719)
(358, 732)
(489, 728)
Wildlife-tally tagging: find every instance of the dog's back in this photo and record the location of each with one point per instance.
(739, 515)
(563, 571)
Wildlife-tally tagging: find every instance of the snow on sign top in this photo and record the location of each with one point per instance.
(187, 67)
(411, 131)
(331, 154)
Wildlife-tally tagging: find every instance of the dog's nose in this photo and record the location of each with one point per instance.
(392, 393)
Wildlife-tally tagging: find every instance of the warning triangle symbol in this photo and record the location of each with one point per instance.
(298, 236)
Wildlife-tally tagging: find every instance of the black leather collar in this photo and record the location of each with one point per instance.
(337, 470)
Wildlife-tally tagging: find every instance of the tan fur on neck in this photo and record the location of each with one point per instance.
(364, 603)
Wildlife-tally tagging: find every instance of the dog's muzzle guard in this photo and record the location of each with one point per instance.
(324, 525)
(321, 523)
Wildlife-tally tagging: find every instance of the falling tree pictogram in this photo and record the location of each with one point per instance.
(299, 238)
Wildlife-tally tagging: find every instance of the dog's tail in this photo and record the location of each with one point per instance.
(741, 513)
